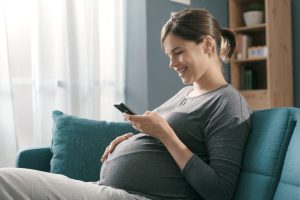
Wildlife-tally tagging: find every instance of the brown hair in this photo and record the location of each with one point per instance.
(194, 24)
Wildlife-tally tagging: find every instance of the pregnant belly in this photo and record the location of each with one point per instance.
(142, 164)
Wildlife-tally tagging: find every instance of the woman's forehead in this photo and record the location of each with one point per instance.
(173, 42)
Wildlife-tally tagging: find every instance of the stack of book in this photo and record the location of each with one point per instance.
(243, 42)
(248, 79)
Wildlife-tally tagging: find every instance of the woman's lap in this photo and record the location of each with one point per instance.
(16, 183)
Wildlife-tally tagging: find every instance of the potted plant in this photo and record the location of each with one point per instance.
(253, 14)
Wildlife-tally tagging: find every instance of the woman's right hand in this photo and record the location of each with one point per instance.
(113, 145)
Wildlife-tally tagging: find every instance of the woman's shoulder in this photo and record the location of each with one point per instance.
(229, 93)
(235, 102)
(229, 100)
(228, 104)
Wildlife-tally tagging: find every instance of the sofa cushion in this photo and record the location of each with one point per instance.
(289, 184)
(78, 144)
(264, 154)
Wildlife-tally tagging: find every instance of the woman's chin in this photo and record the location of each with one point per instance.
(185, 81)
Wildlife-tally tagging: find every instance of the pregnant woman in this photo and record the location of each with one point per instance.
(190, 147)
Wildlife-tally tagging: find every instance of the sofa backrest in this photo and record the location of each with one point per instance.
(289, 183)
(272, 134)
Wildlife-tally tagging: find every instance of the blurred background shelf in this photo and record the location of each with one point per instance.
(265, 81)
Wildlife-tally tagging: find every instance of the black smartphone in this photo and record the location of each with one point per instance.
(123, 108)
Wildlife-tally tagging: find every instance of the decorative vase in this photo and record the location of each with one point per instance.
(253, 17)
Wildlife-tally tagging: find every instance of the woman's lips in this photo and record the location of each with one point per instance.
(181, 71)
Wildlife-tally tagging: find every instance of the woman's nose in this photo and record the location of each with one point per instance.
(173, 62)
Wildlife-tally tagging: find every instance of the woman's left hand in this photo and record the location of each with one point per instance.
(150, 123)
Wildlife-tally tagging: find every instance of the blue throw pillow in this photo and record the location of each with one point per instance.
(78, 144)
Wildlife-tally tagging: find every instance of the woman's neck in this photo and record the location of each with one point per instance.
(211, 80)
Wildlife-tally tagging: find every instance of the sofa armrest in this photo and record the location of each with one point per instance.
(37, 158)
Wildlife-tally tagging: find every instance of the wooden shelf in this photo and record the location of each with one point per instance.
(265, 74)
(249, 60)
(258, 99)
(253, 92)
(250, 29)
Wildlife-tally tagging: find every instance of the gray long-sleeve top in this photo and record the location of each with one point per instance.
(214, 126)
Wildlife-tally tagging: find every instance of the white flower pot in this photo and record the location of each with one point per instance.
(253, 17)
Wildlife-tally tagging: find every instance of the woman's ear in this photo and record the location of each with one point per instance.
(208, 45)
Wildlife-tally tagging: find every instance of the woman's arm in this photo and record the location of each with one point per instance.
(217, 179)
(179, 151)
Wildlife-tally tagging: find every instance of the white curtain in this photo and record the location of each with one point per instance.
(8, 142)
(65, 55)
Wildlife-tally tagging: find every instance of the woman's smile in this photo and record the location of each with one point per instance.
(181, 71)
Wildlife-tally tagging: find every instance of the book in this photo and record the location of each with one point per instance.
(243, 42)
(249, 79)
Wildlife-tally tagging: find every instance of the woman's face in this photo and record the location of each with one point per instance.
(187, 58)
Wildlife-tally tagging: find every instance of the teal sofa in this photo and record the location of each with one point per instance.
(270, 168)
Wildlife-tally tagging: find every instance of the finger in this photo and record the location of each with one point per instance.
(148, 113)
(133, 124)
(114, 143)
(118, 140)
(134, 118)
(105, 154)
(110, 148)
(125, 116)
(136, 126)
(128, 135)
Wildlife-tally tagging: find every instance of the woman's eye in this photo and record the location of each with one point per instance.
(177, 53)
